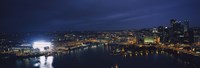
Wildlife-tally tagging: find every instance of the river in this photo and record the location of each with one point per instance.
(99, 57)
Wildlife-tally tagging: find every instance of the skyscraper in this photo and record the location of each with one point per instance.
(186, 26)
(172, 22)
(161, 33)
(175, 31)
(179, 31)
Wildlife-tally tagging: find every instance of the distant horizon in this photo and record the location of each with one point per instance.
(82, 30)
(68, 30)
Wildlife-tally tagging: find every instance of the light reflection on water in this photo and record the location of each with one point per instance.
(44, 62)
(100, 57)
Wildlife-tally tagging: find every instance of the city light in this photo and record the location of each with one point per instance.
(25, 45)
(41, 45)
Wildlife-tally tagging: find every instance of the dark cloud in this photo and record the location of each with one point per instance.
(60, 15)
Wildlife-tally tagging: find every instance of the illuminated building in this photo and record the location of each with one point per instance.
(196, 36)
(179, 32)
(42, 46)
(155, 30)
(176, 31)
(161, 33)
(149, 40)
(186, 32)
(22, 49)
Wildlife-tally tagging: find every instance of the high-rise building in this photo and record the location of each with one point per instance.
(155, 30)
(176, 31)
(161, 33)
(186, 26)
(172, 22)
(167, 34)
(179, 32)
(186, 32)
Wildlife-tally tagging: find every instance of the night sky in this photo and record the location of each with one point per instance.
(87, 15)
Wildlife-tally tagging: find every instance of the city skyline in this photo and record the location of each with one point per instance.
(93, 15)
(99, 34)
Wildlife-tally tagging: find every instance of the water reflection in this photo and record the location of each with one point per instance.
(106, 57)
(44, 62)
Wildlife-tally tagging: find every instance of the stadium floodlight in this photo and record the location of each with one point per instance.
(41, 45)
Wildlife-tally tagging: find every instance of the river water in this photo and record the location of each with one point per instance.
(99, 57)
